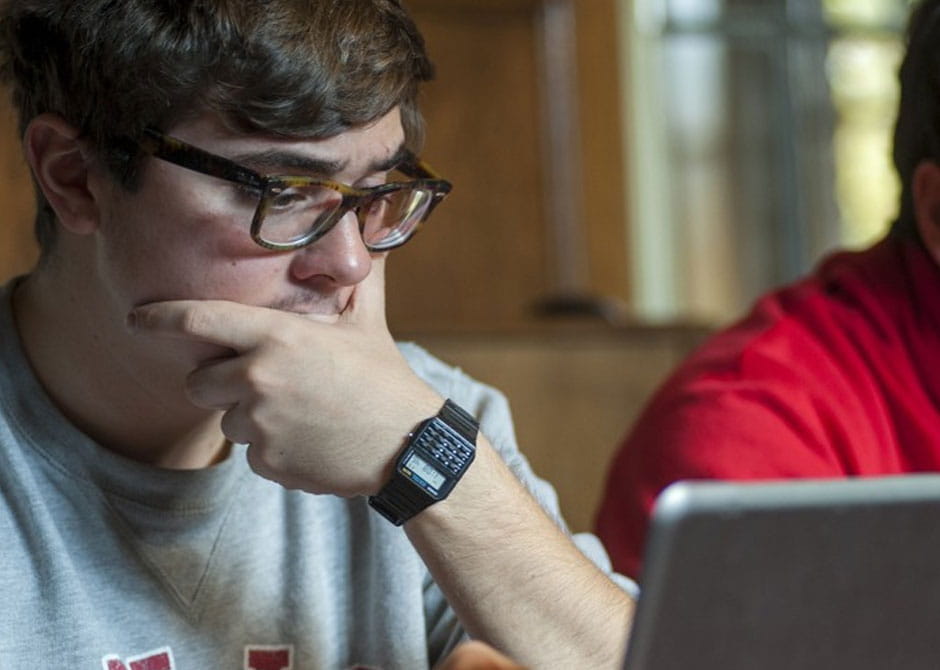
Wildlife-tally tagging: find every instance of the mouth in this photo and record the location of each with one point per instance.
(316, 308)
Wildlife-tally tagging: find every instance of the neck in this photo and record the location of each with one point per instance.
(126, 394)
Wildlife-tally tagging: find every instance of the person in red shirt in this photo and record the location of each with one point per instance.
(836, 375)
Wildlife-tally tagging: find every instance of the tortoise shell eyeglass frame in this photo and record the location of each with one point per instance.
(173, 150)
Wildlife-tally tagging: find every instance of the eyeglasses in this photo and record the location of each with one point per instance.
(292, 212)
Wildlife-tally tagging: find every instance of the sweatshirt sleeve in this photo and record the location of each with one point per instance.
(491, 409)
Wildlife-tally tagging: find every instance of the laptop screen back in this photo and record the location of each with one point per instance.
(792, 575)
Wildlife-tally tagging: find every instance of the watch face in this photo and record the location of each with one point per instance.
(415, 465)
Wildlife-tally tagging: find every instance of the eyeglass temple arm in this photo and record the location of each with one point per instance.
(192, 158)
(168, 148)
(413, 166)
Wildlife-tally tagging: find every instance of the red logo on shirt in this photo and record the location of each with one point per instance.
(159, 659)
(256, 658)
(268, 658)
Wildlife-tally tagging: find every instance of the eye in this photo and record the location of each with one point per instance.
(304, 197)
(378, 206)
(288, 198)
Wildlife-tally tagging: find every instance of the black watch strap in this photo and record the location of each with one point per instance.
(399, 500)
(436, 456)
(454, 416)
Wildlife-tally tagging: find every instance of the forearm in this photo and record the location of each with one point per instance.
(514, 579)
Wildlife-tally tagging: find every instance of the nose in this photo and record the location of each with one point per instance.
(339, 256)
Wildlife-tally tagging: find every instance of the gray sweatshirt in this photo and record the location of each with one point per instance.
(106, 563)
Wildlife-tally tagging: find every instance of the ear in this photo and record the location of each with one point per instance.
(61, 167)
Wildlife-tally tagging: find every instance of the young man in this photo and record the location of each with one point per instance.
(834, 376)
(194, 313)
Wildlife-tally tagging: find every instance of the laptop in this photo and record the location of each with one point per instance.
(792, 575)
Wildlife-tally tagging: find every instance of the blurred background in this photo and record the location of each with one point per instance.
(628, 175)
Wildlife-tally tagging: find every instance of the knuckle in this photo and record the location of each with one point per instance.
(271, 460)
(258, 380)
(192, 320)
(287, 336)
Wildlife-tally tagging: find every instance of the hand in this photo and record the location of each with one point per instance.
(477, 656)
(325, 407)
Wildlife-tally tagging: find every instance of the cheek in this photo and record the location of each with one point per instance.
(161, 250)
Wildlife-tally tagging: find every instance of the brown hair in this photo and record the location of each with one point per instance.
(298, 68)
(917, 130)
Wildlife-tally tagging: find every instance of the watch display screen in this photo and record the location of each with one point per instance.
(425, 471)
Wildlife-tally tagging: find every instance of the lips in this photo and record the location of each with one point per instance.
(326, 309)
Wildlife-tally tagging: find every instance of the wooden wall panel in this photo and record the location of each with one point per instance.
(481, 258)
(573, 394)
(603, 164)
(492, 252)
(18, 249)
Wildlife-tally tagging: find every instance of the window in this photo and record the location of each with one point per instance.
(759, 139)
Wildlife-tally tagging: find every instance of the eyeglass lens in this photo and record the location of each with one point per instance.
(303, 213)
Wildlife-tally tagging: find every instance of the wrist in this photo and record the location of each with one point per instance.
(435, 457)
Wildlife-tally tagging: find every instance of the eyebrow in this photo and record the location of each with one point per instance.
(286, 160)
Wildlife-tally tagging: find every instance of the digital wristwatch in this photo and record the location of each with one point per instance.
(436, 456)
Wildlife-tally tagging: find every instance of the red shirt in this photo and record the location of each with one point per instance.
(836, 375)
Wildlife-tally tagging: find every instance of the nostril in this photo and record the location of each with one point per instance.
(340, 256)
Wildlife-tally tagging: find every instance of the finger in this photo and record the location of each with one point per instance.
(217, 385)
(367, 304)
(237, 427)
(230, 324)
(475, 655)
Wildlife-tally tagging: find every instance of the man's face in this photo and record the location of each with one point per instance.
(182, 235)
